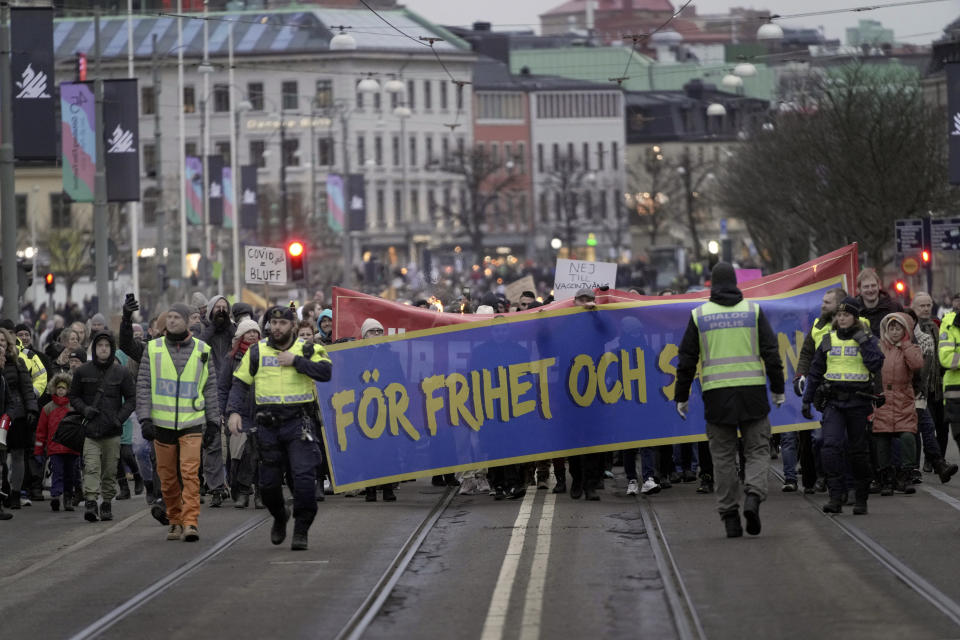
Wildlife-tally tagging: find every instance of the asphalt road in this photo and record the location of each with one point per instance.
(542, 567)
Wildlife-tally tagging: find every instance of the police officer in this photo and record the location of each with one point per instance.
(844, 369)
(283, 368)
(735, 342)
(948, 352)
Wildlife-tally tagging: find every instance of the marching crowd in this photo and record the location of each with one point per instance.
(210, 402)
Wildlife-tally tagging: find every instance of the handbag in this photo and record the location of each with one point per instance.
(72, 429)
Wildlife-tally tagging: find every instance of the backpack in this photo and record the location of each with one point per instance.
(71, 431)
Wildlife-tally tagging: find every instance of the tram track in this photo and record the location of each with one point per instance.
(899, 569)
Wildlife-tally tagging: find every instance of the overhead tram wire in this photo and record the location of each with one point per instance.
(646, 36)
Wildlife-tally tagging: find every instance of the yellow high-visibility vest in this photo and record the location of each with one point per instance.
(844, 362)
(177, 399)
(729, 345)
(277, 385)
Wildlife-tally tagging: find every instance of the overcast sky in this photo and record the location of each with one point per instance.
(907, 22)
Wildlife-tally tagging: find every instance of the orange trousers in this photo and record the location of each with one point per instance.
(181, 493)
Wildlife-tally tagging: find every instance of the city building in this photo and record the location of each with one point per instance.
(869, 33)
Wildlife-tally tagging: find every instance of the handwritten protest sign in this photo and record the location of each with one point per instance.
(265, 265)
(572, 275)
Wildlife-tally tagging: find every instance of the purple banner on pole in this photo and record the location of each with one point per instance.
(335, 204)
(79, 146)
(192, 175)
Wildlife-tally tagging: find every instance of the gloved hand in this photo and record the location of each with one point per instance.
(682, 409)
(129, 306)
(210, 434)
(799, 384)
(879, 401)
(91, 412)
(806, 412)
(779, 399)
(148, 430)
(861, 336)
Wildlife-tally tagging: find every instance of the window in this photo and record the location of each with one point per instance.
(427, 95)
(151, 202)
(148, 101)
(460, 89)
(494, 153)
(376, 102)
(378, 150)
(289, 94)
(257, 147)
(445, 149)
(323, 98)
(415, 203)
(223, 150)
(615, 156)
(429, 151)
(600, 153)
(603, 210)
(540, 157)
(395, 148)
(398, 205)
(255, 95)
(544, 207)
(21, 199)
(359, 97)
(149, 160)
(291, 152)
(432, 203)
(189, 99)
(461, 146)
(521, 157)
(381, 207)
(413, 151)
(394, 101)
(508, 153)
(221, 98)
(586, 156)
(588, 204)
(556, 156)
(361, 150)
(190, 149)
(411, 95)
(59, 212)
(571, 158)
(326, 152)
(444, 98)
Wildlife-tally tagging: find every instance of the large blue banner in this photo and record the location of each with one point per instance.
(527, 387)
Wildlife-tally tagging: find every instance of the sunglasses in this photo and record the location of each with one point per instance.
(375, 332)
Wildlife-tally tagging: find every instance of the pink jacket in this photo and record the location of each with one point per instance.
(900, 362)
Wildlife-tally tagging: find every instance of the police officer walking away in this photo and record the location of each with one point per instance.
(843, 370)
(282, 370)
(735, 342)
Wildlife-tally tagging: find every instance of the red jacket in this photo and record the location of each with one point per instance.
(50, 418)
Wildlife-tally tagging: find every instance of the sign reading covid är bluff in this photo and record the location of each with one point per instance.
(265, 265)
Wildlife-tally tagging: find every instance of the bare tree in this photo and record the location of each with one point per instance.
(69, 255)
(568, 182)
(651, 191)
(485, 182)
(840, 165)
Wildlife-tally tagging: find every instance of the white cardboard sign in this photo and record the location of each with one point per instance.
(265, 265)
(572, 275)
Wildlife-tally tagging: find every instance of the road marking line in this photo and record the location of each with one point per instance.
(76, 546)
(500, 601)
(533, 608)
(300, 562)
(940, 495)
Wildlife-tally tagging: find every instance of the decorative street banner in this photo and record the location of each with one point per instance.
(79, 147)
(357, 195)
(351, 308)
(335, 204)
(192, 176)
(229, 208)
(31, 68)
(215, 189)
(520, 387)
(249, 209)
(122, 139)
(953, 112)
(573, 275)
(265, 265)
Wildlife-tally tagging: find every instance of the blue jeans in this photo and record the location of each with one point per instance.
(647, 462)
(63, 470)
(788, 449)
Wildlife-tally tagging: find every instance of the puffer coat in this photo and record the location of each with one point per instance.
(900, 362)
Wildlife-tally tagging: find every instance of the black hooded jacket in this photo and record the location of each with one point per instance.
(220, 337)
(885, 306)
(114, 385)
(730, 405)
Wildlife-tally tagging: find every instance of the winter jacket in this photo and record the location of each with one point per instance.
(128, 343)
(224, 385)
(53, 412)
(885, 306)
(24, 400)
(6, 400)
(931, 378)
(730, 405)
(179, 353)
(900, 362)
(113, 384)
(220, 338)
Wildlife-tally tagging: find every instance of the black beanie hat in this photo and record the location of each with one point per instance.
(849, 305)
(723, 275)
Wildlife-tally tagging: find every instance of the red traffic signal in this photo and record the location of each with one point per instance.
(81, 67)
(295, 253)
(295, 249)
(50, 283)
(900, 286)
(925, 256)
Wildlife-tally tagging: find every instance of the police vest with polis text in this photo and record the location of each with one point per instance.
(948, 353)
(278, 385)
(177, 398)
(729, 345)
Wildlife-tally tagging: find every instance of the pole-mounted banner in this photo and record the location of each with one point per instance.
(336, 207)
(192, 177)
(229, 206)
(357, 202)
(249, 209)
(33, 90)
(78, 145)
(121, 137)
(215, 189)
(953, 111)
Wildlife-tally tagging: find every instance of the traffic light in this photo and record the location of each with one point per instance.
(50, 283)
(902, 290)
(81, 67)
(295, 253)
(925, 257)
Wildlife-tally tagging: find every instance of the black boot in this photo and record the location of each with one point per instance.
(148, 485)
(731, 523)
(90, 511)
(834, 506)
(278, 532)
(561, 486)
(67, 502)
(903, 484)
(3, 514)
(124, 489)
(55, 503)
(945, 470)
(576, 489)
(159, 513)
(242, 502)
(751, 511)
(299, 541)
(106, 512)
(388, 496)
(706, 484)
(216, 498)
(886, 482)
(137, 484)
(371, 494)
(257, 499)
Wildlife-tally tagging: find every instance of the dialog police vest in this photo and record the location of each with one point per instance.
(177, 399)
(948, 353)
(277, 385)
(729, 346)
(38, 373)
(844, 362)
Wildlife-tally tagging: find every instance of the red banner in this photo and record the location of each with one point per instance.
(351, 308)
